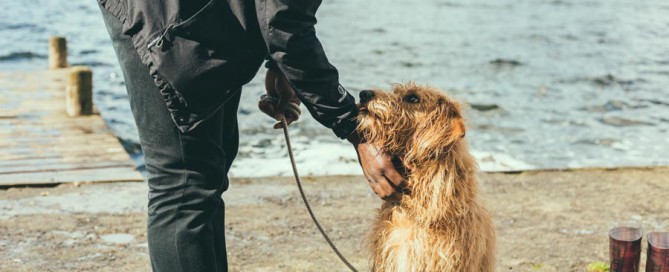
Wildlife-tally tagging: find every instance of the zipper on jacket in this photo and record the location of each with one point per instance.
(178, 24)
(159, 40)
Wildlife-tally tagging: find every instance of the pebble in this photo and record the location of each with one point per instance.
(117, 238)
(505, 62)
(622, 122)
(484, 107)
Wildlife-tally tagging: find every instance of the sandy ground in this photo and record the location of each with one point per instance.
(545, 221)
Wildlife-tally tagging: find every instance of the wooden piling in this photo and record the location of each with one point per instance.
(57, 52)
(79, 92)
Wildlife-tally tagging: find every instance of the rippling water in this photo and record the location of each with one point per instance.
(550, 84)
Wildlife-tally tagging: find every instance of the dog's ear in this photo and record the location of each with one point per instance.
(442, 127)
(458, 130)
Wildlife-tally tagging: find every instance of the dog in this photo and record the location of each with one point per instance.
(439, 225)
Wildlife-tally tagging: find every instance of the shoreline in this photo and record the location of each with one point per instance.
(554, 220)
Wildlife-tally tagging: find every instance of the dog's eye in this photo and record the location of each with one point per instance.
(412, 98)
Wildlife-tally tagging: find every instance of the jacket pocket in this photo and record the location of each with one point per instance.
(188, 49)
(192, 56)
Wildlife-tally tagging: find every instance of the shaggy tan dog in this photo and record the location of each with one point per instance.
(438, 225)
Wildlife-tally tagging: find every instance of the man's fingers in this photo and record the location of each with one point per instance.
(290, 111)
(396, 180)
(387, 191)
(266, 107)
(382, 187)
(394, 197)
(285, 93)
(375, 186)
(283, 87)
(295, 100)
(270, 78)
(289, 120)
(278, 101)
(282, 104)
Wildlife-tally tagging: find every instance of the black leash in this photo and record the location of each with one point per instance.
(304, 198)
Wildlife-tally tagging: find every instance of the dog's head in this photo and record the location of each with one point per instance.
(412, 122)
(424, 129)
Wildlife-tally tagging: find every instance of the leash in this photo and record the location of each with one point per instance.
(304, 198)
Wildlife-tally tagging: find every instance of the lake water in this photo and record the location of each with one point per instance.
(550, 84)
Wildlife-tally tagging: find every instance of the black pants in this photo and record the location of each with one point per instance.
(187, 172)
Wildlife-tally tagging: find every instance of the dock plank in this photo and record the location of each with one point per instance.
(42, 145)
(59, 166)
(114, 174)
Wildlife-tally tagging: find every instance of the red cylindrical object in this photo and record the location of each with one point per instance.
(625, 249)
(658, 252)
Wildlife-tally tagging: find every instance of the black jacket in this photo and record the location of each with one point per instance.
(200, 51)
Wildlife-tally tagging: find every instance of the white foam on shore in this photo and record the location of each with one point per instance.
(318, 160)
(496, 162)
(323, 159)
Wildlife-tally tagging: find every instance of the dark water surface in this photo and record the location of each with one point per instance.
(564, 83)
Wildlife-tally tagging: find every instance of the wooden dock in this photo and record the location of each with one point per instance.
(41, 144)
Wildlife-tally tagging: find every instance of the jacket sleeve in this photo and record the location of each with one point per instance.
(290, 36)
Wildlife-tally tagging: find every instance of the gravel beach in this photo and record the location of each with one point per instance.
(545, 221)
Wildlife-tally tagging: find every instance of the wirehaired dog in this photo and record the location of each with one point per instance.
(439, 224)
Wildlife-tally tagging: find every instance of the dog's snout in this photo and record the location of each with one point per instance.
(365, 96)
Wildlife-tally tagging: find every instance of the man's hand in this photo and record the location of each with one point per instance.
(378, 167)
(280, 100)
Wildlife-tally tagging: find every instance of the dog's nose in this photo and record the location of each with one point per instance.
(365, 96)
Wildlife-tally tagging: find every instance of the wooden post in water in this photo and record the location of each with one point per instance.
(57, 52)
(79, 91)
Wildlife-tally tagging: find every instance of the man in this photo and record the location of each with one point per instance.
(184, 62)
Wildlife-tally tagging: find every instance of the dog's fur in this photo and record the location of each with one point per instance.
(438, 225)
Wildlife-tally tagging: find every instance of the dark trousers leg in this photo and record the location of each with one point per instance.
(187, 172)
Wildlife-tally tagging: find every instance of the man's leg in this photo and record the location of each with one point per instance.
(187, 172)
(230, 144)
